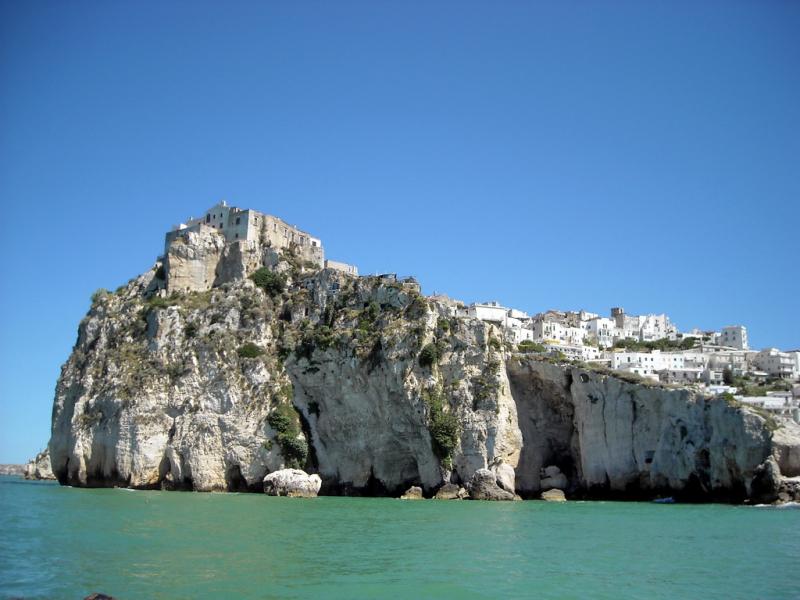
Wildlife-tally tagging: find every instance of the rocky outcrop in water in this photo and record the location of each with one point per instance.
(484, 485)
(373, 387)
(293, 483)
(413, 493)
(39, 467)
(553, 495)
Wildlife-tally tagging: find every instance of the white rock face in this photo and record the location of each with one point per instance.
(191, 262)
(786, 448)
(39, 467)
(292, 482)
(610, 436)
(504, 474)
(158, 395)
(484, 486)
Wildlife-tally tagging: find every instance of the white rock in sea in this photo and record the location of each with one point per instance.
(39, 467)
(292, 482)
(483, 486)
(413, 493)
(504, 474)
(553, 496)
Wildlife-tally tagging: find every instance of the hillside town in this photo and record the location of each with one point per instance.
(647, 346)
(653, 348)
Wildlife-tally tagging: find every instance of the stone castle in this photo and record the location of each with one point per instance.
(229, 243)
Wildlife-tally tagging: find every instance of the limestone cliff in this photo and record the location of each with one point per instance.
(616, 438)
(366, 383)
(39, 467)
(213, 390)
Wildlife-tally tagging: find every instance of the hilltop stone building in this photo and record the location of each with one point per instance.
(248, 225)
(229, 243)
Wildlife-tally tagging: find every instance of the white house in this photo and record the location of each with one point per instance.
(775, 362)
(734, 336)
(492, 312)
(601, 330)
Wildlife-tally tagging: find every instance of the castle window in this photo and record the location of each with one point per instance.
(238, 220)
(208, 218)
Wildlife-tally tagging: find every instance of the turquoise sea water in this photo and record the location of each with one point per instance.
(65, 543)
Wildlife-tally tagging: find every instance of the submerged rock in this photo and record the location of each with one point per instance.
(483, 486)
(553, 496)
(292, 482)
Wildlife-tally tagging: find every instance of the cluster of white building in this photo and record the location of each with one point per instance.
(581, 335)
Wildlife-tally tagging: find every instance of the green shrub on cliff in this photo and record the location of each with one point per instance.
(530, 346)
(428, 355)
(285, 421)
(250, 350)
(269, 281)
(282, 419)
(159, 302)
(99, 294)
(443, 427)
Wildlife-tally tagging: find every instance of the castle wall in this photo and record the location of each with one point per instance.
(258, 229)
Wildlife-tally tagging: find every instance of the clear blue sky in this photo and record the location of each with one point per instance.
(560, 155)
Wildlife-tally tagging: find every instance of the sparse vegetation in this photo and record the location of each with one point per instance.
(663, 344)
(99, 294)
(769, 420)
(269, 281)
(155, 302)
(428, 356)
(443, 426)
(250, 350)
(285, 421)
(417, 308)
(531, 346)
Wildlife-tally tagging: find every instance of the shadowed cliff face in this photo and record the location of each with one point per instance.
(614, 438)
(369, 384)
